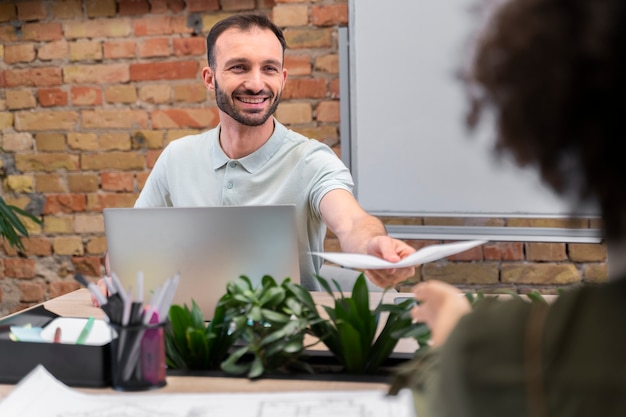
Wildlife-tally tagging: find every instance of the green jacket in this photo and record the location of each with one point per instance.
(515, 358)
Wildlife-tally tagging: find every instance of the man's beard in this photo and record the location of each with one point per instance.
(227, 107)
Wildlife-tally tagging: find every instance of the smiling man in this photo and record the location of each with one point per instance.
(251, 158)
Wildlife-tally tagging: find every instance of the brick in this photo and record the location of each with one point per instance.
(329, 15)
(8, 12)
(119, 49)
(327, 63)
(89, 223)
(101, 8)
(540, 251)
(46, 162)
(23, 268)
(210, 19)
(151, 157)
(595, 273)
(294, 113)
(68, 245)
(46, 120)
(309, 38)
(161, 25)
(112, 160)
(174, 134)
(117, 181)
(141, 179)
(190, 93)
(155, 93)
(98, 202)
(83, 183)
(326, 133)
(31, 10)
(154, 47)
(238, 5)
(87, 141)
(114, 119)
(133, 7)
(147, 139)
(8, 34)
(305, 88)
(96, 246)
(56, 50)
(96, 74)
(32, 292)
(37, 246)
(88, 265)
(587, 252)
(6, 120)
(20, 99)
(290, 15)
(120, 94)
(461, 273)
(50, 142)
(16, 142)
(189, 46)
(98, 28)
(202, 5)
(19, 183)
(545, 273)
(59, 288)
(569, 223)
(504, 251)
(58, 225)
(86, 96)
(49, 183)
(67, 9)
(85, 50)
(114, 141)
(163, 70)
(299, 64)
(37, 77)
(24, 52)
(52, 97)
(328, 112)
(177, 118)
(65, 203)
(52, 31)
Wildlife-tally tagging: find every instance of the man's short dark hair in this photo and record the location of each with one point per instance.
(242, 22)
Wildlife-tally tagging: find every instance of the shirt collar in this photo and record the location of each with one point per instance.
(256, 159)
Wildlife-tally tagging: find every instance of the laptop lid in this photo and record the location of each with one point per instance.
(206, 246)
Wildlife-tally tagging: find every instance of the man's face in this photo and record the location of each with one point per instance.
(248, 77)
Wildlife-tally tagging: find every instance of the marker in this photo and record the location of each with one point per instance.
(82, 337)
(57, 335)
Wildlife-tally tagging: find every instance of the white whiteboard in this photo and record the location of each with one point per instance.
(410, 152)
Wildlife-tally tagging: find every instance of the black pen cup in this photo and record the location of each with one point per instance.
(138, 357)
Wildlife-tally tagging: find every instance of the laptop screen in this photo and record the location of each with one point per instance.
(206, 246)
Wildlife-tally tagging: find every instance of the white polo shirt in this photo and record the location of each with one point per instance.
(288, 169)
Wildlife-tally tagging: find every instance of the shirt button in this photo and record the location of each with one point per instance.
(232, 164)
(229, 185)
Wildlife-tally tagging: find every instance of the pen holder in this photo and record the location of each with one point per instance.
(138, 357)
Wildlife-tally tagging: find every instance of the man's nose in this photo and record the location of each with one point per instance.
(254, 81)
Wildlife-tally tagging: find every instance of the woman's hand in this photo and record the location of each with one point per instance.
(441, 305)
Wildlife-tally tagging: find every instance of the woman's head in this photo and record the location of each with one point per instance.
(554, 72)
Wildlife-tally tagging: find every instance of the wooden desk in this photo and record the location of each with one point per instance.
(78, 304)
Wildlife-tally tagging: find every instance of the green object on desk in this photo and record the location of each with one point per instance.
(82, 337)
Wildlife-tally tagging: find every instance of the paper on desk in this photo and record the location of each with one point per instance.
(54, 399)
(422, 256)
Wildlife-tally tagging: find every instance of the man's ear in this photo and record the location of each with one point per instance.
(208, 78)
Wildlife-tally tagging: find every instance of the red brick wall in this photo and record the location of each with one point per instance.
(92, 90)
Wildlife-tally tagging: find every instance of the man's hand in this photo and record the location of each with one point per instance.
(441, 305)
(391, 250)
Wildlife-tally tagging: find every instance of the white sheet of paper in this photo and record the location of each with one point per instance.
(54, 399)
(421, 256)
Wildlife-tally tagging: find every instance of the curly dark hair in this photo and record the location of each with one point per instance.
(554, 72)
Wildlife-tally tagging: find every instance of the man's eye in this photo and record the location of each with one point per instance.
(237, 68)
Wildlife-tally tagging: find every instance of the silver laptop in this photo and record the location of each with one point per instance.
(206, 246)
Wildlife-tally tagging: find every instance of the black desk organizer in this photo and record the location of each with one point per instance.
(74, 365)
